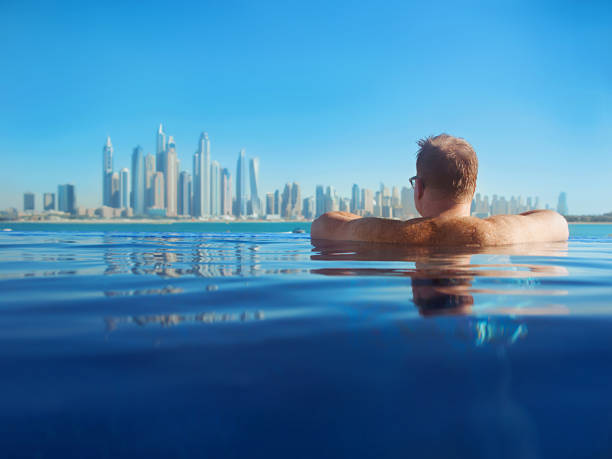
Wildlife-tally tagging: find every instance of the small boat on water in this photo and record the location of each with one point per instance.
(298, 230)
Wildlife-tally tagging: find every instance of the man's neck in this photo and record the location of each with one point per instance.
(443, 209)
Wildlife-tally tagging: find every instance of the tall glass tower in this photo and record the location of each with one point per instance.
(241, 199)
(254, 176)
(107, 173)
(562, 204)
(124, 178)
(215, 188)
(160, 140)
(201, 177)
(171, 177)
(138, 181)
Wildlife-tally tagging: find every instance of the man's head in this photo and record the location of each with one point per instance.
(447, 168)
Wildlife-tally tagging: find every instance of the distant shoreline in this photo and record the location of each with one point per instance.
(147, 221)
(590, 223)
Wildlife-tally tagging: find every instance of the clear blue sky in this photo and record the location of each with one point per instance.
(322, 92)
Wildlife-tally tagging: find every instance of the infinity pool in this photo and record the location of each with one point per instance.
(150, 344)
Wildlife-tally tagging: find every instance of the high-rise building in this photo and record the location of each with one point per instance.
(409, 210)
(286, 201)
(296, 200)
(241, 196)
(28, 201)
(124, 178)
(254, 176)
(562, 204)
(367, 201)
(184, 193)
(395, 198)
(115, 190)
(291, 201)
(201, 177)
(319, 201)
(158, 190)
(107, 172)
(66, 198)
(355, 199)
(344, 204)
(139, 180)
(160, 141)
(215, 188)
(308, 208)
(331, 200)
(49, 201)
(226, 192)
(269, 203)
(277, 202)
(170, 177)
(149, 173)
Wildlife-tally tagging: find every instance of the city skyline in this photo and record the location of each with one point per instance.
(157, 187)
(529, 88)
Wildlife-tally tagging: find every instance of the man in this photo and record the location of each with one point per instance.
(447, 168)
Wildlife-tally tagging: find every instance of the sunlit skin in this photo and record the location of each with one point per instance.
(444, 222)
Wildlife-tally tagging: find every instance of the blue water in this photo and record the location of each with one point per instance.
(127, 342)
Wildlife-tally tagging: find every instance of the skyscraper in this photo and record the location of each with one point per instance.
(286, 201)
(184, 193)
(107, 171)
(296, 200)
(355, 199)
(139, 180)
(269, 203)
(170, 177)
(226, 192)
(124, 178)
(408, 202)
(254, 176)
(241, 197)
(367, 201)
(277, 202)
(215, 188)
(28, 201)
(562, 204)
(291, 201)
(201, 177)
(149, 173)
(331, 200)
(158, 191)
(49, 201)
(319, 201)
(160, 140)
(308, 208)
(115, 191)
(66, 198)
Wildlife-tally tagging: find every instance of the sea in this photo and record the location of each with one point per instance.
(246, 340)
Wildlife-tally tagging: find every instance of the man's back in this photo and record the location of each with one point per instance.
(534, 226)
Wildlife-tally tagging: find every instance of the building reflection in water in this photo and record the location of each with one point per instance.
(196, 256)
(169, 320)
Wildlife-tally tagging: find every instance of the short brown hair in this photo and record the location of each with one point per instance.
(448, 164)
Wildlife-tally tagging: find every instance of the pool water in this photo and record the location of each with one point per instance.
(153, 344)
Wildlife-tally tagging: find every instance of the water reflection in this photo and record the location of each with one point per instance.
(442, 280)
(196, 256)
(169, 320)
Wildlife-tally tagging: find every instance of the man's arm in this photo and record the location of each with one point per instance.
(534, 226)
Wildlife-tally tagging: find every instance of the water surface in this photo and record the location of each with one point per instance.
(127, 343)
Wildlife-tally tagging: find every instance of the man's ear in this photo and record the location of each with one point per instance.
(419, 189)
